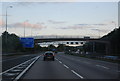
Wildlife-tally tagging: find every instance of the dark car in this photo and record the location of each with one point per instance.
(49, 55)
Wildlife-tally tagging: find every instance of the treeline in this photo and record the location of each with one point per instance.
(10, 43)
(60, 48)
(114, 38)
(100, 48)
(13, 44)
(95, 48)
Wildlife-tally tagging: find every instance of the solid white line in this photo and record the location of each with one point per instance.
(65, 66)
(77, 74)
(18, 77)
(102, 66)
(16, 66)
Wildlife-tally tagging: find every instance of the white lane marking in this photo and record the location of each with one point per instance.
(60, 62)
(65, 66)
(102, 66)
(56, 59)
(77, 74)
(19, 76)
(17, 66)
(72, 70)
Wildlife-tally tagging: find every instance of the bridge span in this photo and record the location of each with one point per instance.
(40, 40)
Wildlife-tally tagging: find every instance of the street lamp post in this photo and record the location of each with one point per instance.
(6, 15)
(24, 27)
(31, 30)
(99, 33)
(6, 25)
(114, 24)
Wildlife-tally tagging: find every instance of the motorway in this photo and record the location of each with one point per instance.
(72, 67)
(66, 67)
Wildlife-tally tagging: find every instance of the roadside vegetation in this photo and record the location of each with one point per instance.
(114, 38)
(99, 53)
(14, 45)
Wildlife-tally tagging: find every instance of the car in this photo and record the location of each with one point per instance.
(49, 55)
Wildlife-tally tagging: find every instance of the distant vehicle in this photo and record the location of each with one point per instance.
(49, 55)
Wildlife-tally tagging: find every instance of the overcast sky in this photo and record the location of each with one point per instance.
(63, 18)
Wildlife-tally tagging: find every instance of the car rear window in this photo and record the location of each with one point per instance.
(49, 54)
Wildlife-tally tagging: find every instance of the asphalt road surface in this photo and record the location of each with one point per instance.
(11, 61)
(72, 67)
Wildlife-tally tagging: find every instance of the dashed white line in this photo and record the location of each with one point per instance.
(71, 70)
(60, 62)
(77, 74)
(56, 59)
(65, 66)
(102, 66)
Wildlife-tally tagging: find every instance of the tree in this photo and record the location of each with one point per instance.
(51, 47)
(12, 44)
(113, 37)
(61, 47)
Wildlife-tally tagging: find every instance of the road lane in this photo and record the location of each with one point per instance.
(8, 58)
(49, 70)
(71, 67)
(13, 61)
(112, 66)
(88, 69)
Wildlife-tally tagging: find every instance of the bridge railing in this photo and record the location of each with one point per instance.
(61, 36)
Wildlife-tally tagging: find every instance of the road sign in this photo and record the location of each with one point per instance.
(27, 42)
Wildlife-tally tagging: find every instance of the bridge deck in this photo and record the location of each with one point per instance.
(63, 39)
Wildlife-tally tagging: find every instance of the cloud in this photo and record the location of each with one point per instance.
(83, 26)
(92, 24)
(1, 22)
(60, 0)
(56, 22)
(73, 27)
(28, 25)
(27, 3)
(40, 0)
(101, 30)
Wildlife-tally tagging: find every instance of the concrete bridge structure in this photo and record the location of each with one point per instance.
(75, 39)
